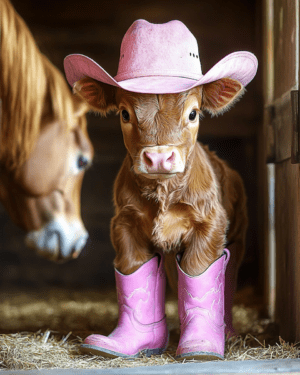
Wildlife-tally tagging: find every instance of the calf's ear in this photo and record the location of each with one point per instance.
(219, 96)
(100, 96)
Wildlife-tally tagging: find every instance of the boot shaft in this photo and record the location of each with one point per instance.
(205, 291)
(143, 291)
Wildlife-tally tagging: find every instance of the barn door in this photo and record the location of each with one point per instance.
(282, 140)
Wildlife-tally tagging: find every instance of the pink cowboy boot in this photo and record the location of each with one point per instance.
(201, 312)
(142, 326)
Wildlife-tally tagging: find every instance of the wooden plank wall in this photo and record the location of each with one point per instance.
(281, 36)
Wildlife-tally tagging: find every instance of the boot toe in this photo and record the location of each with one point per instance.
(95, 340)
(101, 345)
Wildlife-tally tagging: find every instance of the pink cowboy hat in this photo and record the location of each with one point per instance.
(161, 59)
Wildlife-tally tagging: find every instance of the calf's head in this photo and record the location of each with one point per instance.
(160, 131)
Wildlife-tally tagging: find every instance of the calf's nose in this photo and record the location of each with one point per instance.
(159, 162)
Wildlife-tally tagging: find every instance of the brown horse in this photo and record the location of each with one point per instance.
(44, 145)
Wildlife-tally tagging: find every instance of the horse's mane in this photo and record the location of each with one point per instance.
(31, 88)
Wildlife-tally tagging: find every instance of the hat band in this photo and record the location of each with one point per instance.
(157, 73)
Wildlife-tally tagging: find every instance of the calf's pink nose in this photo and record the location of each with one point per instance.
(159, 162)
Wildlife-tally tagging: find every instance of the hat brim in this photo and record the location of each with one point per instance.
(241, 66)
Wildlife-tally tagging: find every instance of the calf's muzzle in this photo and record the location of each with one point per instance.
(161, 160)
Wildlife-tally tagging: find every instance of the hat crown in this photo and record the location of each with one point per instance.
(167, 49)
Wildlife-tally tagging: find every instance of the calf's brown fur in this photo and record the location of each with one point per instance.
(195, 211)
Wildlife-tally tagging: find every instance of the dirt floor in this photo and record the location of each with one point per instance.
(43, 329)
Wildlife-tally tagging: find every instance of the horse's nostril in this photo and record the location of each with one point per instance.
(79, 245)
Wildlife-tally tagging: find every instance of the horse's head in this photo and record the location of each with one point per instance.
(44, 145)
(43, 195)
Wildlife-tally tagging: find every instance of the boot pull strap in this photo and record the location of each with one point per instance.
(227, 254)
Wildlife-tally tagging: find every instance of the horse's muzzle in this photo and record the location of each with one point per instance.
(59, 240)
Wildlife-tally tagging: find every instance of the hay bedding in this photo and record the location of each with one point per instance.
(44, 329)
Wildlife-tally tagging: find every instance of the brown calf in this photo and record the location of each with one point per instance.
(171, 192)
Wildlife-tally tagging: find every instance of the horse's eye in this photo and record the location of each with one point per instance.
(192, 115)
(82, 162)
(125, 115)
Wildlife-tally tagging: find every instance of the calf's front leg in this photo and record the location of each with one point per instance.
(130, 238)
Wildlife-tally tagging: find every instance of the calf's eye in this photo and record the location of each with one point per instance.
(125, 115)
(192, 115)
